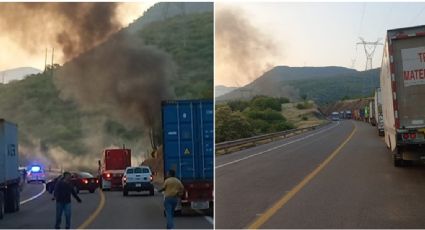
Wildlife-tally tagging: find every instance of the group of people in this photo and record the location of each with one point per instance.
(63, 189)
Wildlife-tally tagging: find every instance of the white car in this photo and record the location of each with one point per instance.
(137, 179)
(35, 173)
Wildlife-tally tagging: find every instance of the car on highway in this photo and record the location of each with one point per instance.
(36, 173)
(84, 181)
(80, 181)
(137, 179)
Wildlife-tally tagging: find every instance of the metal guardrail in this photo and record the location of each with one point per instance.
(253, 141)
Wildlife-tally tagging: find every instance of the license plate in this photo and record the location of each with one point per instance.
(200, 205)
(138, 185)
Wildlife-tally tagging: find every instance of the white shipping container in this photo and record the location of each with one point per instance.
(402, 81)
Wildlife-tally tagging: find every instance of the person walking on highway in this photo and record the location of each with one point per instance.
(62, 194)
(173, 189)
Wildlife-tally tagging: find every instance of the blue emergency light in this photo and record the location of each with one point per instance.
(35, 168)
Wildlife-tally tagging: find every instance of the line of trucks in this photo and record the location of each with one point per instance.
(398, 106)
(187, 144)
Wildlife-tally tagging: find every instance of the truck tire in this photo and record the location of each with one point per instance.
(398, 158)
(2, 205)
(12, 199)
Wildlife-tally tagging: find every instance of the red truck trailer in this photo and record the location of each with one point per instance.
(112, 167)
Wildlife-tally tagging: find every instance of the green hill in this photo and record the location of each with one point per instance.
(56, 131)
(322, 84)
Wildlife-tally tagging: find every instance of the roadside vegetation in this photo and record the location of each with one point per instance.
(241, 119)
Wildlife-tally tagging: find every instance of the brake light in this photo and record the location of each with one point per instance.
(406, 136)
(413, 136)
(124, 178)
(97, 181)
(107, 176)
(85, 181)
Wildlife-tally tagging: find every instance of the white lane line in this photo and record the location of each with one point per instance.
(208, 218)
(34, 197)
(276, 147)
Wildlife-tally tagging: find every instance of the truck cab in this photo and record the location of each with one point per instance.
(112, 167)
(335, 116)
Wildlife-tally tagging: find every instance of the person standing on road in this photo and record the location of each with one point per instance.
(173, 189)
(62, 194)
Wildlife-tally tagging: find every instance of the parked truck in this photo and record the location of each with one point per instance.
(402, 81)
(112, 167)
(335, 116)
(348, 114)
(372, 113)
(9, 168)
(379, 119)
(188, 149)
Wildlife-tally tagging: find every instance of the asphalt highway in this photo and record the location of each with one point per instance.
(109, 209)
(340, 176)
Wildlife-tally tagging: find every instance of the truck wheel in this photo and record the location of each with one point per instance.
(398, 158)
(2, 208)
(12, 199)
(18, 199)
(398, 163)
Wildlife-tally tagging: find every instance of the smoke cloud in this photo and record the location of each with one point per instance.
(122, 78)
(74, 27)
(242, 52)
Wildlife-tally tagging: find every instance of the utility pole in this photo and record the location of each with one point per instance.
(369, 49)
(45, 61)
(53, 52)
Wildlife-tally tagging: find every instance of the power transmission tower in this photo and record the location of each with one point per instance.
(369, 49)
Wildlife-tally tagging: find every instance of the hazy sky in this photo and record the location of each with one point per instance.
(13, 54)
(318, 34)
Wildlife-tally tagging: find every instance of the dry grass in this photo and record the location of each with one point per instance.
(295, 116)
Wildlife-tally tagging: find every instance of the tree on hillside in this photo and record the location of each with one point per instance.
(230, 125)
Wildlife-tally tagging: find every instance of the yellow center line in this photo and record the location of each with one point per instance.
(95, 213)
(282, 201)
